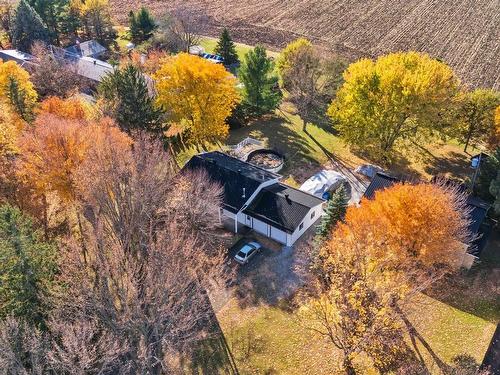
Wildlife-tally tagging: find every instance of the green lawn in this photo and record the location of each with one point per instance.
(209, 45)
(306, 153)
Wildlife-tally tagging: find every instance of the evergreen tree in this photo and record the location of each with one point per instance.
(226, 48)
(261, 92)
(334, 212)
(28, 268)
(487, 173)
(28, 27)
(495, 192)
(141, 25)
(52, 12)
(126, 97)
(20, 101)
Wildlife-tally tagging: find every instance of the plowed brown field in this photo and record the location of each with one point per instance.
(463, 33)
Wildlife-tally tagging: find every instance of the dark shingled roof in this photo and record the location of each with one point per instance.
(233, 174)
(379, 182)
(282, 206)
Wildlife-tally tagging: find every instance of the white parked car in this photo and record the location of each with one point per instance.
(247, 251)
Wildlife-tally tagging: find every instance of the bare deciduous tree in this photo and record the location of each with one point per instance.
(186, 27)
(150, 258)
(23, 349)
(55, 77)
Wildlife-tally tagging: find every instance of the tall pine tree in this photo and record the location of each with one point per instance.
(28, 27)
(52, 13)
(141, 25)
(20, 101)
(261, 93)
(226, 48)
(125, 96)
(334, 212)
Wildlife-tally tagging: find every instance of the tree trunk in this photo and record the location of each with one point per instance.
(80, 229)
(348, 367)
(467, 140)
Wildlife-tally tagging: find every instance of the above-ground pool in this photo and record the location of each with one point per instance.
(269, 160)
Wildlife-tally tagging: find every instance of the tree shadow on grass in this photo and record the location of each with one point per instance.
(281, 137)
(474, 292)
(212, 354)
(416, 336)
(455, 164)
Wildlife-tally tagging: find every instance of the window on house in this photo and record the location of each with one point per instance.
(313, 214)
(301, 226)
(248, 217)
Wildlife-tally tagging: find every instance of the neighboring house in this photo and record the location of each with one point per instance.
(478, 227)
(86, 66)
(90, 48)
(93, 69)
(254, 198)
(22, 58)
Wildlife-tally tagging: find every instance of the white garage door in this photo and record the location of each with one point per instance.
(261, 227)
(278, 235)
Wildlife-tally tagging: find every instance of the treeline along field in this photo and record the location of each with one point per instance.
(463, 33)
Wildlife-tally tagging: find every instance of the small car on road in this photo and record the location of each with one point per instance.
(247, 251)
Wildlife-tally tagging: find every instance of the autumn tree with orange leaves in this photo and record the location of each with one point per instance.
(71, 108)
(382, 254)
(55, 147)
(51, 153)
(198, 96)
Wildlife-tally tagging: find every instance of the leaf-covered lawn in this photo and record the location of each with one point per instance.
(266, 338)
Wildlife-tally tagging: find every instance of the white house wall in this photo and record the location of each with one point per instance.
(261, 227)
(279, 235)
(308, 221)
(228, 214)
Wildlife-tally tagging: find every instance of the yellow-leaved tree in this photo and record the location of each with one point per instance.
(11, 126)
(16, 89)
(398, 97)
(198, 97)
(494, 139)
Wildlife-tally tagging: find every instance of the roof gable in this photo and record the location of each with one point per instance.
(238, 178)
(282, 206)
(380, 181)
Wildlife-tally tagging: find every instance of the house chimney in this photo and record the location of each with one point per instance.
(244, 195)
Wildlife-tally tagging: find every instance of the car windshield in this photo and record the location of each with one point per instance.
(241, 254)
